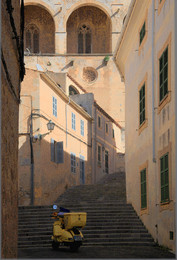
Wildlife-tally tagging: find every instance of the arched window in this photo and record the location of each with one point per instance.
(32, 38)
(84, 39)
(72, 91)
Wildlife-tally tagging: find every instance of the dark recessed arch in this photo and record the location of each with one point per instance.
(73, 90)
(98, 25)
(36, 16)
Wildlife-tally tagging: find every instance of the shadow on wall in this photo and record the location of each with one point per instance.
(120, 162)
(50, 179)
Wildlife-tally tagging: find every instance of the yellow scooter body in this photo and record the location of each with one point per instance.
(62, 235)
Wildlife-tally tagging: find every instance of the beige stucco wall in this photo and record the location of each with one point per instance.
(136, 66)
(50, 179)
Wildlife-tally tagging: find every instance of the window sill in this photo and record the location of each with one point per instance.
(160, 6)
(168, 205)
(143, 126)
(143, 211)
(164, 101)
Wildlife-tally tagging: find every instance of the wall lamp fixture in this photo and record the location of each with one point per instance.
(50, 127)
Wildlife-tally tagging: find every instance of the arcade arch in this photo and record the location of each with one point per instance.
(88, 31)
(39, 30)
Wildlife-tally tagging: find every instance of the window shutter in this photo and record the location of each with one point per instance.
(52, 150)
(59, 152)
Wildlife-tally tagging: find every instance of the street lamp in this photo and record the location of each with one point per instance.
(50, 127)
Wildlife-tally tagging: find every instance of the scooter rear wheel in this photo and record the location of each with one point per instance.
(55, 245)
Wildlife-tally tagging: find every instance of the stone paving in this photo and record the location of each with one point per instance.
(98, 252)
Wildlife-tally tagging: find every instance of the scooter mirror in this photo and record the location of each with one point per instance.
(55, 207)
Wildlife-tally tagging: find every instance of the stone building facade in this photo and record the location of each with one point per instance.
(146, 59)
(79, 38)
(12, 71)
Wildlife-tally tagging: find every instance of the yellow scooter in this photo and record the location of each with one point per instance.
(66, 228)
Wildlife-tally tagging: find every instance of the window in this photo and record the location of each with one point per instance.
(122, 135)
(164, 176)
(112, 133)
(84, 39)
(99, 154)
(143, 189)
(57, 151)
(54, 106)
(142, 104)
(72, 91)
(82, 127)
(32, 38)
(73, 121)
(106, 161)
(106, 128)
(163, 75)
(73, 163)
(99, 121)
(142, 33)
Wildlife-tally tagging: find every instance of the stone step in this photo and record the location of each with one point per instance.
(46, 239)
(127, 244)
(47, 231)
(106, 217)
(87, 229)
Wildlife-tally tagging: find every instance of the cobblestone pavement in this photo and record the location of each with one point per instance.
(98, 252)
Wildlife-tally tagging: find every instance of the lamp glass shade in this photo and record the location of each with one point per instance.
(50, 125)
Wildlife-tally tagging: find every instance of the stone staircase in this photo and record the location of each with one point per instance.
(110, 220)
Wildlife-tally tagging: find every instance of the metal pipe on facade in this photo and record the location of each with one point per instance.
(153, 107)
(153, 121)
(31, 152)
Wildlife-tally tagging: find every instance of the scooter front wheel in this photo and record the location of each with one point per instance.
(55, 245)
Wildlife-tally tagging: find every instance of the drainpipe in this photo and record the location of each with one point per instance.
(31, 153)
(153, 107)
(95, 157)
(32, 159)
(153, 122)
(67, 122)
(175, 75)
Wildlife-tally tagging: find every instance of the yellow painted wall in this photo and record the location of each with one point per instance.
(135, 64)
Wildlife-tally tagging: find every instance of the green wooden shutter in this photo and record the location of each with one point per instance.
(142, 104)
(164, 174)
(52, 147)
(59, 156)
(143, 189)
(142, 32)
(163, 74)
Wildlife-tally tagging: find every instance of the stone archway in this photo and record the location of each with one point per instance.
(99, 25)
(38, 16)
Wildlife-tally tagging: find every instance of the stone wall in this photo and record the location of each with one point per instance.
(10, 88)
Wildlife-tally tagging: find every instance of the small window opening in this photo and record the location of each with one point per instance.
(84, 39)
